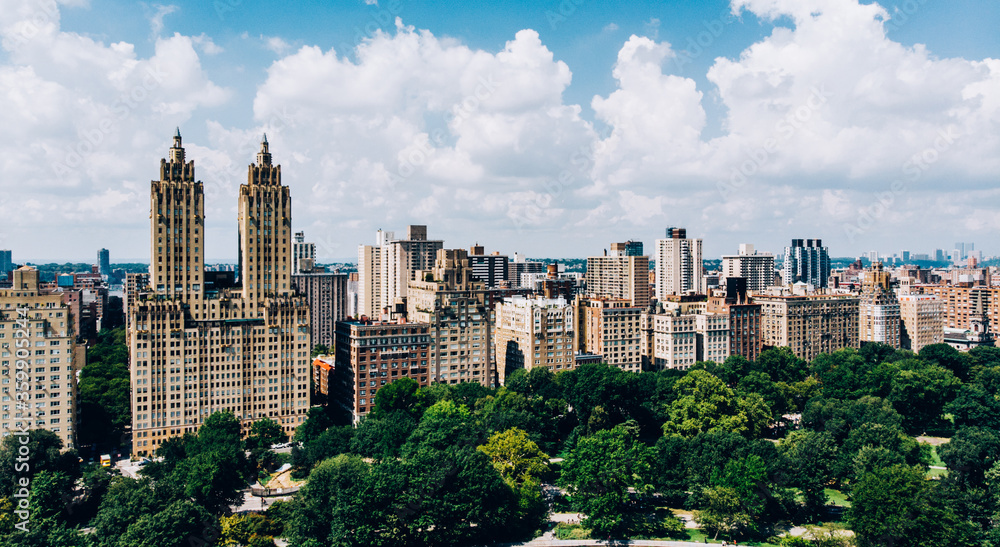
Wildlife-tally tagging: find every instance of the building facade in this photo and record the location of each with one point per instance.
(922, 316)
(744, 317)
(326, 294)
(756, 267)
(619, 276)
(39, 360)
(611, 328)
(455, 306)
(243, 349)
(879, 319)
(809, 325)
(806, 261)
(534, 332)
(302, 250)
(678, 265)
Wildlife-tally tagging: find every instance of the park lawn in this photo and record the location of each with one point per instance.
(837, 497)
(933, 473)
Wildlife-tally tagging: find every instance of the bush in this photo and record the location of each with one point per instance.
(571, 531)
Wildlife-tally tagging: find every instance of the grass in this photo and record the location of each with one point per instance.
(837, 497)
(936, 473)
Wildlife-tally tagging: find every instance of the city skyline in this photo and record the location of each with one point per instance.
(747, 122)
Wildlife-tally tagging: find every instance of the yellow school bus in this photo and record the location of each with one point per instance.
(106, 460)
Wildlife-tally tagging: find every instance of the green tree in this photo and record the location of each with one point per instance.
(811, 457)
(516, 457)
(920, 392)
(104, 391)
(948, 357)
(970, 453)
(264, 433)
(896, 506)
(180, 524)
(383, 438)
(599, 473)
(398, 396)
(705, 404)
(44, 453)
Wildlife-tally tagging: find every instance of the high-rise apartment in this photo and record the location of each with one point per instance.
(806, 261)
(534, 332)
(809, 325)
(680, 334)
(303, 251)
(491, 269)
(879, 308)
(40, 359)
(744, 317)
(326, 294)
(678, 265)
(612, 329)
(104, 262)
(619, 276)
(244, 348)
(922, 316)
(455, 305)
(386, 268)
(754, 266)
(6, 262)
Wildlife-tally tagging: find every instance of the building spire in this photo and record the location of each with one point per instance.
(264, 156)
(177, 151)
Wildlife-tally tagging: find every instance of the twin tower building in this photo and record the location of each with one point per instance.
(203, 342)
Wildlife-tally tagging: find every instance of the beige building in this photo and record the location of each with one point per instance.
(809, 325)
(619, 276)
(878, 308)
(387, 267)
(678, 265)
(245, 349)
(922, 316)
(681, 334)
(454, 304)
(534, 332)
(756, 267)
(612, 328)
(370, 280)
(39, 360)
(962, 301)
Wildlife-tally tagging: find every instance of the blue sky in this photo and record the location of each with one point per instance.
(667, 137)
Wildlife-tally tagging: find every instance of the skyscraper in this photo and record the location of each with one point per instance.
(756, 267)
(242, 349)
(678, 265)
(808, 261)
(104, 262)
(619, 276)
(303, 251)
(6, 263)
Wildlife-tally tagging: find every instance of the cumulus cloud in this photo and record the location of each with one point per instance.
(830, 129)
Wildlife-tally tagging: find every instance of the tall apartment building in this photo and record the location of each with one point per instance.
(386, 269)
(678, 265)
(630, 248)
(754, 266)
(744, 317)
(243, 349)
(619, 276)
(611, 328)
(491, 269)
(878, 308)
(534, 332)
(806, 261)
(40, 359)
(326, 294)
(809, 325)
(961, 301)
(519, 266)
(301, 250)
(371, 355)
(104, 261)
(455, 305)
(922, 316)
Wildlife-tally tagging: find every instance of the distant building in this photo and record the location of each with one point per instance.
(756, 267)
(454, 304)
(534, 332)
(806, 261)
(519, 266)
(326, 294)
(922, 316)
(303, 251)
(386, 269)
(371, 355)
(6, 263)
(104, 262)
(490, 269)
(40, 317)
(681, 334)
(619, 276)
(809, 325)
(612, 328)
(960, 302)
(744, 317)
(678, 265)
(879, 319)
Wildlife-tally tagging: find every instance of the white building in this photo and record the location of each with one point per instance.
(756, 267)
(678, 265)
(534, 332)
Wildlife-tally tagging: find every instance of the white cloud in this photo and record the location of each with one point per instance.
(276, 44)
(156, 19)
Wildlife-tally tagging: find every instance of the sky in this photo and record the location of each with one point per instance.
(549, 128)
